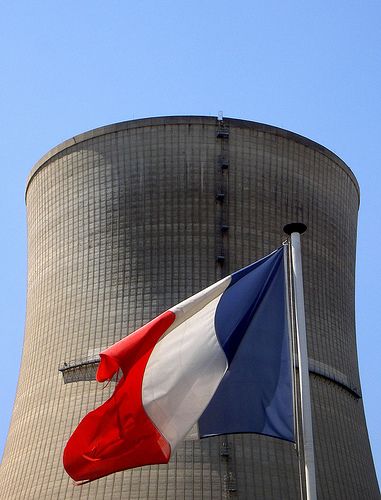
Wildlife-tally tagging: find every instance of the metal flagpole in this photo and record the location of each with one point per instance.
(294, 365)
(294, 230)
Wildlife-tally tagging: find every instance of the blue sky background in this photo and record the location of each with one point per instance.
(310, 67)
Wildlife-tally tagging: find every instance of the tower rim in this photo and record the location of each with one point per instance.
(184, 120)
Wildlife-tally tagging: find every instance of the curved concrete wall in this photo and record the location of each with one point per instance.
(123, 222)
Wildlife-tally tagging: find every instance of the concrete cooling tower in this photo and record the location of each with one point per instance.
(127, 220)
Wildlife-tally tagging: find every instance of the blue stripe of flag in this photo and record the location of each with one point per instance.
(255, 394)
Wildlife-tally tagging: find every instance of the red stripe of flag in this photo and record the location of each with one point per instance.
(119, 435)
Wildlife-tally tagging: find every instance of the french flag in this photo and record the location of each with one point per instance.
(217, 363)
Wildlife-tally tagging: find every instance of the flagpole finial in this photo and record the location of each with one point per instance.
(295, 227)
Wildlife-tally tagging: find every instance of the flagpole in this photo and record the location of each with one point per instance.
(294, 230)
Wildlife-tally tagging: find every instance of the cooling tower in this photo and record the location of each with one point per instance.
(127, 220)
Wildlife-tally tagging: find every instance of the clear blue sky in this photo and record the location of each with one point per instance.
(311, 67)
